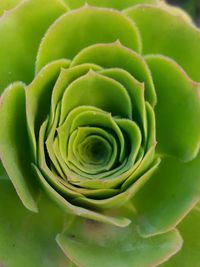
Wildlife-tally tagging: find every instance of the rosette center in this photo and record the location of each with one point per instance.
(95, 150)
(92, 149)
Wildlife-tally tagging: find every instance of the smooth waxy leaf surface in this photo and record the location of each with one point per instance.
(175, 37)
(170, 193)
(119, 4)
(38, 94)
(94, 89)
(190, 231)
(90, 244)
(68, 208)
(21, 31)
(99, 26)
(15, 150)
(28, 239)
(66, 77)
(177, 111)
(144, 164)
(119, 56)
(135, 91)
(7, 5)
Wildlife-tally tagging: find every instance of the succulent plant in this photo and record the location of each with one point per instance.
(100, 134)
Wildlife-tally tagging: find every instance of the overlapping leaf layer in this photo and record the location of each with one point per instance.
(103, 112)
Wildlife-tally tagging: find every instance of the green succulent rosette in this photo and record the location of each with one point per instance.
(100, 134)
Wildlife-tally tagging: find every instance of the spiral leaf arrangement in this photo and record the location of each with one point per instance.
(102, 112)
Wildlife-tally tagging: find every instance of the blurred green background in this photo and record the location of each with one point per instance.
(192, 7)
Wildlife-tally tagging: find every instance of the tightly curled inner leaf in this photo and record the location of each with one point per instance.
(103, 130)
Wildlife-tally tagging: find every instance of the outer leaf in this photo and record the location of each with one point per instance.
(175, 10)
(99, 25)
(14, 144)
(178, 109)
(21, 30)
(190, 231)
(8, 4)
(38, 94)
(90, 244)
(119, 4)
(175, 37)
(28, 239)
(168, 196)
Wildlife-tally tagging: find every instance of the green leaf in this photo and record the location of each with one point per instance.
(178, 109)
(135, 90)
(94, 89)
(133, 139)
(175, 37)
(90, 244)
(144, 165)
(66, 77)
(119, 4)
(6, 5)
(115, 55)
(69, 208)
(99, 25)
(190, 231)
(175, 10)
(38, 94)
(14, 144)
(45, 145)
(151, 126)
(168, 196)
(53, 178)
(28, 239)
(21, 31)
